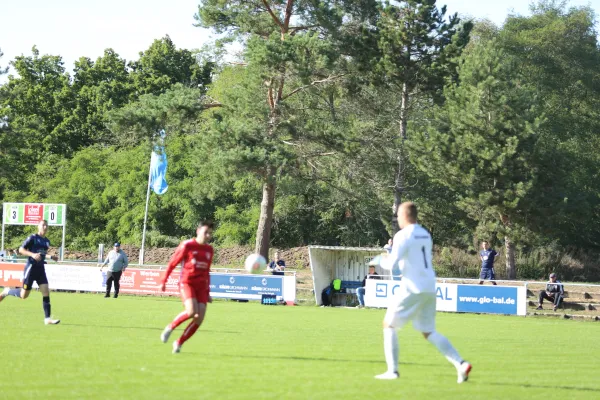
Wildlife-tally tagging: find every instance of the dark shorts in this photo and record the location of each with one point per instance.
(487, 274)
(34, 273)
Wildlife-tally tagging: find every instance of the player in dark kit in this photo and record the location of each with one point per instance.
(487, 257)
(35, 247)
(196, 256)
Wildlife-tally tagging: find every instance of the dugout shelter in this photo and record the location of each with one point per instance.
(350, 264)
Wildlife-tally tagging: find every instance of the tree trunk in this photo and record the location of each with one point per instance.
(511, 270)
(265, 222)
(398, 191)
(403, 111)
(400, 178)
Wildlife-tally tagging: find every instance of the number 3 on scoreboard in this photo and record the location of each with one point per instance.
(13, 214)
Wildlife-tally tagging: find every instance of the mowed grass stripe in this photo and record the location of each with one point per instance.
(110, 348)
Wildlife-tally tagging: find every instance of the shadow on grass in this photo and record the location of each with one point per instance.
(300, 358)
(534, 386)
(148, 328)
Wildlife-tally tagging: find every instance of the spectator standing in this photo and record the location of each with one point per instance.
(554, 292)
(487, 257)
(277, 266)
(117, 263)
(360, 292)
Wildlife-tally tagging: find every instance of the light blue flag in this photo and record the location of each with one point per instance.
(158, 167)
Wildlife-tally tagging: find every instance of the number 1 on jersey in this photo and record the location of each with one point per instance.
(424, 257)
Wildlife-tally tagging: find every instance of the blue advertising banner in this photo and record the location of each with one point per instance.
(245, 286)
(487, 299)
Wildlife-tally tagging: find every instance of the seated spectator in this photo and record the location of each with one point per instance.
(8, 256)
(277, 266)
(388, 246)
(554, 292)
(360, 292)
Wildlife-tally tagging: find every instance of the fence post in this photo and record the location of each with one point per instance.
(100, 253)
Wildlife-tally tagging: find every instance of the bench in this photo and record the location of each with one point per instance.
(346, 288)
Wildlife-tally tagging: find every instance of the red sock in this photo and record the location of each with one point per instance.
(188, 332)
(180, 319)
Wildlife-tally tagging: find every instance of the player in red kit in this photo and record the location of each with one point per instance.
(195, 256)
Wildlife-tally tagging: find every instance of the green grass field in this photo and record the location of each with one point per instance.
(110, 349)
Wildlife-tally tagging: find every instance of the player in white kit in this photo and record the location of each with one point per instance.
(412, 252)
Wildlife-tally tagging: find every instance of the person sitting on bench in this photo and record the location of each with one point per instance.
(554, 292)
(360, 292)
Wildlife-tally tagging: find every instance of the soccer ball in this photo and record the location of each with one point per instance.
(255, 264)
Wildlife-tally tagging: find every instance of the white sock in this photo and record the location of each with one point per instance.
(390, 348)
(446, 348)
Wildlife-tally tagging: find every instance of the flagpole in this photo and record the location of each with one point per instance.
(146, 212)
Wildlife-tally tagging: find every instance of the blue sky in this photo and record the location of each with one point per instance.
(75, 28)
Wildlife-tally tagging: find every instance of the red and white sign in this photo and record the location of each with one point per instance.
(147, 281)
(11, 274)
(34, 213)
(91, 279)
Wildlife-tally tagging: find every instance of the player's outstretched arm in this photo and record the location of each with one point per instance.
(175, 260)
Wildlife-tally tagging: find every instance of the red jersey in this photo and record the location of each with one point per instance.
(196, 259)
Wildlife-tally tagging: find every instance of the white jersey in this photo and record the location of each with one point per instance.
(412, 252)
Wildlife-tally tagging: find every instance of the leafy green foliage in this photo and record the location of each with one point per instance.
(313, 115)
(483, 143)
(163, 65)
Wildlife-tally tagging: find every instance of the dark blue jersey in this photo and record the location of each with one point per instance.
(36, 244)
(273, 264)
(487, 258)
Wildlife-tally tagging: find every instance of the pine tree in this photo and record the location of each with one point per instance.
(291, 46)
(417, 47)
(482, 144)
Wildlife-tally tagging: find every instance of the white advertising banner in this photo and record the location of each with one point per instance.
(507, 300)
(379, 292)
(71, 277)
(147, 281)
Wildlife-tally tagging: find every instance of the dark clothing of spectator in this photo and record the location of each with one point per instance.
(374, 275)
(277, 267)
(554, 292)
(360, 292)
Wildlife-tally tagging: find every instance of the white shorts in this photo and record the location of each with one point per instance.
(416, 307)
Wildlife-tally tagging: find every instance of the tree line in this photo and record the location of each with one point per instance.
(331, 115)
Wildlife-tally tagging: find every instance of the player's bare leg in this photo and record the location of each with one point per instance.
(192, 327)
(15, 292)
(4, 293)
(46, 305)
(391, 351)
(463, 368)
(190, 309)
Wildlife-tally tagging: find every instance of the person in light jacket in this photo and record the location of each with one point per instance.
(117, 263)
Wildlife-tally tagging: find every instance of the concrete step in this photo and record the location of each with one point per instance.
(568, 294)
(568, 304)
(565, 316)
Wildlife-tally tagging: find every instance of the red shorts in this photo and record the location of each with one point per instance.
(198, 291)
